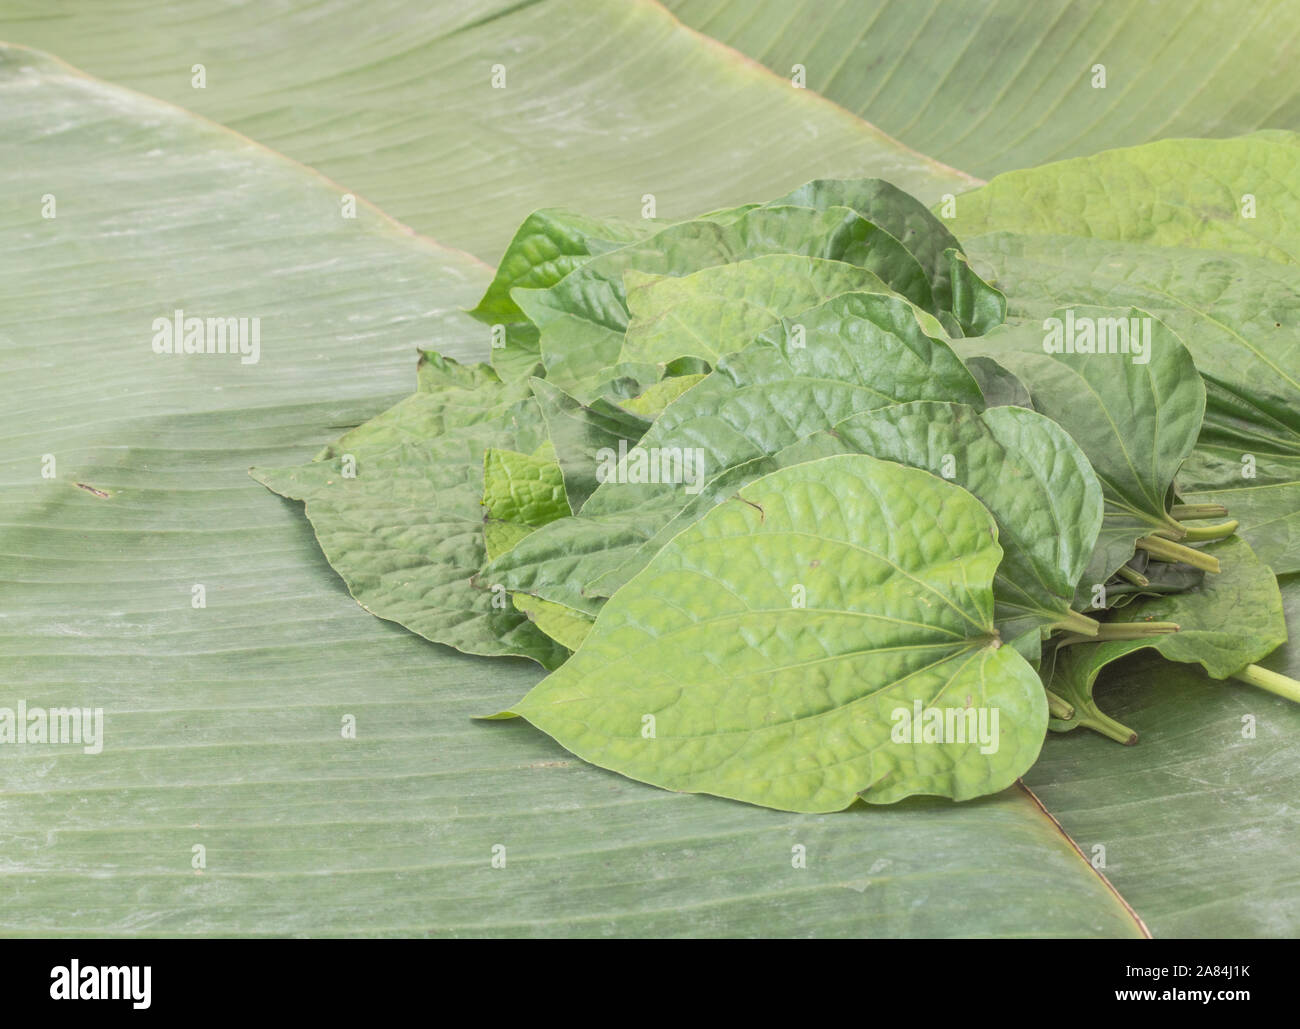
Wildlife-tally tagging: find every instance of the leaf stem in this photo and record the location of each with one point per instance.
(1274, 682)
(1167, 550)
(1191, 512)
(1078, 623)
(1099, 721)
(1204, 533)
(1059, 707)
(1132, 575)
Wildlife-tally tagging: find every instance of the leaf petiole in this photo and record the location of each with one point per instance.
(1167, 550)
(1191, 512)
(1205, 533)
(1079, 624)
(1132, 575)
(1274, 682)
(1059, 707)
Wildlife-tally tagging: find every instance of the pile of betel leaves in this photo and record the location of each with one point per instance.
(789, 507)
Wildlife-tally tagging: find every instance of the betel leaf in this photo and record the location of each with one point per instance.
(521, 492)
(900, 214)
(549, 245)
(1231, 620)
(583, 317)
(1224, 276)
(719, 310)
(856, 352)
(582, 433)
(395, 505)
(789, 647)
(1028, 472)
(977, 306)
(562, 624)
(1213, 194)
(546, 247)
(1134, 409)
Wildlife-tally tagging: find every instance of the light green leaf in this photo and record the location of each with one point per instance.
(1135, 415)
(837, 593)
(521, 492)
(546, 247)
(563, 624)
(900, 214)
(999, 386)
(719, 310)
(1224, 277)
(1240, 195)
(652, 402)
(1237, 315)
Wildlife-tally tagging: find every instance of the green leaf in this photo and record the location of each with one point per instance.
(583, 317)
(895, 567)
(521, 492)
(1135, 415)
(900, 214)
(719, 310)
(1231, 620)
(999, 386)
(977, 306)
(395, 505)
(652, 402)
(562, 624)
(580, 433)
(1013, 84)
(857, 352)
(1028, 472)
(546, 247)
(1181, 193)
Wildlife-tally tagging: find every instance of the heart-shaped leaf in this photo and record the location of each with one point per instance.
(1027, 471)
(826, 634)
